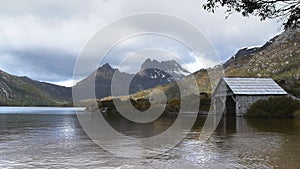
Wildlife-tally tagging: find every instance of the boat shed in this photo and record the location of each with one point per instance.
(233, 96)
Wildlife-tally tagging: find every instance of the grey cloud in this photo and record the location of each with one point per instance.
(39, 64)
(42, 39)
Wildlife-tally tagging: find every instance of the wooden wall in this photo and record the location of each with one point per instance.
(243, 102)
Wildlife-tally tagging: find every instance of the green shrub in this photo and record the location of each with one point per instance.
(274, 107)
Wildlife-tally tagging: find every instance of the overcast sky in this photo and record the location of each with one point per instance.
(42, 39)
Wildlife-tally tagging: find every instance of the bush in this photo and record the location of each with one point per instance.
(274, 107)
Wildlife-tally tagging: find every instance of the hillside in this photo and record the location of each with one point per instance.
(22, 91)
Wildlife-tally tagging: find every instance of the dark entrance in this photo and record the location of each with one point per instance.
(230, 106)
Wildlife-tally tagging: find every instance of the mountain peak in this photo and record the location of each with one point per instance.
(170, 66)
(148, 63)
(105, 70)
(148, 60)
(106, 66)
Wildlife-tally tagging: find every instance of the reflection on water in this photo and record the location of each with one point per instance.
(53, 138)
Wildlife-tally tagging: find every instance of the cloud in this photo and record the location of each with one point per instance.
(158, 47)
(44, 64)
(42, 39)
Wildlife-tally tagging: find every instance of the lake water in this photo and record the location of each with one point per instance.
(53, 138)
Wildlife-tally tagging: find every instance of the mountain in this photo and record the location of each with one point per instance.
(23, 91)
(170, 67)
(102, 78)
(155, 73)
(152, 73)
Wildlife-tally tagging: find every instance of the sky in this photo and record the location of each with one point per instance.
(43, 39)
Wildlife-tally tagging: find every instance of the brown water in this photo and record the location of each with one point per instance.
(53, 138)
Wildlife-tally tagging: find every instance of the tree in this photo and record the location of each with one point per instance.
(289, 10)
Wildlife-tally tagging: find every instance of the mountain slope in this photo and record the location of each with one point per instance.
(22, 91)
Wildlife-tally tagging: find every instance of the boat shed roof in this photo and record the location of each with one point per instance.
(254, 86)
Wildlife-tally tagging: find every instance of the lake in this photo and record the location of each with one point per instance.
(54, 138)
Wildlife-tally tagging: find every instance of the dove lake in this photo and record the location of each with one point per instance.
(54, 138)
